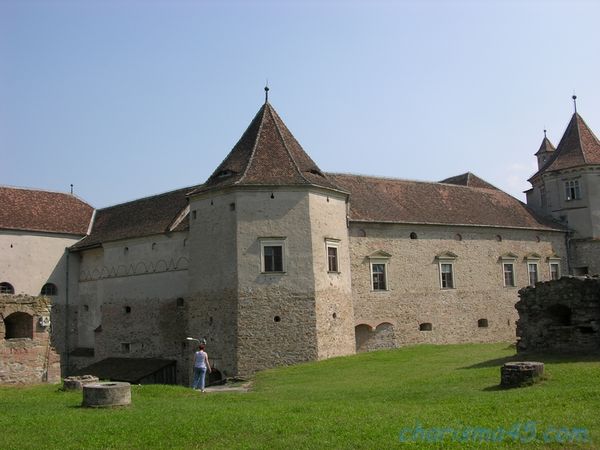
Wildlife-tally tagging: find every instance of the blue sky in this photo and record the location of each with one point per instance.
(132, 98)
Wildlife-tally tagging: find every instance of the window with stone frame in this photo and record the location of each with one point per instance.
(446, 270)
(272, 255)
(332, 249)
(378, 265)
(532, 269)
(572, 190)
(508, 269)
(554, 270)
(379, 275)
(447, 275)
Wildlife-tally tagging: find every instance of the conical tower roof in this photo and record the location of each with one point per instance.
(267, 154)
(578, 147)
(545, 147)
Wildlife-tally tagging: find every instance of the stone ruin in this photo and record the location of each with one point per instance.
(561, 316)
(26, 353)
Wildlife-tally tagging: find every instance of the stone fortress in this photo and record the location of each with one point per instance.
(275, 262)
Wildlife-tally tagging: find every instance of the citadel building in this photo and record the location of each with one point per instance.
(275, 262)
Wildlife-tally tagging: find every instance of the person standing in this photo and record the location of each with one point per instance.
(201, 365)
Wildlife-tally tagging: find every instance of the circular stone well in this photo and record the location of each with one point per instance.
(106, 394)
(517, 374)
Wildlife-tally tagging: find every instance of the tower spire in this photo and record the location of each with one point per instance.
(267, 92)
(575, 102)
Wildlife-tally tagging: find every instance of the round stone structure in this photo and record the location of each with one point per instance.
(522, 373)
(106, 394)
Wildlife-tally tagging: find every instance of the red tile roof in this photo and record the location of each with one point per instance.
(143, 217)
(578, 146)
(401, 201)
(469, 179)
(37, 210)
(267, 154)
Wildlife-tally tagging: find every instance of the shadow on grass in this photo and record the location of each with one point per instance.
(548, 358)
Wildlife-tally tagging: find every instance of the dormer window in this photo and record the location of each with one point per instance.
(572, 190)
(224, 173)
(315, 172)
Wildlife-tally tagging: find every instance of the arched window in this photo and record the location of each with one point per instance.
(482, 323)
(18, 325)
(413, 235)
(49, 289)
(6, 288)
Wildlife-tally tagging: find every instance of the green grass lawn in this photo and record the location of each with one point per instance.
(371, 400)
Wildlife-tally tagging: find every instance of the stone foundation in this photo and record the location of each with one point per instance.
(518, 374)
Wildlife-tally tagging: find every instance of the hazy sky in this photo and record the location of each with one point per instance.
(132, 98)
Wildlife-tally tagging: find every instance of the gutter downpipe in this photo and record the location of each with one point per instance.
(67, 314)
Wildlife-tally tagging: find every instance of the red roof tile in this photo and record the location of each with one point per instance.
(400, 201)
(36, 210)
(267, 154)
(143, 217)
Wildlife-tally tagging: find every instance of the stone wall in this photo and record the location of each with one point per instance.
(585, 256)
(560, 316)
(478, 309)
(26, 354)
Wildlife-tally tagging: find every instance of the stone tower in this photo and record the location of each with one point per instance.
(270, 270)
(567, 188)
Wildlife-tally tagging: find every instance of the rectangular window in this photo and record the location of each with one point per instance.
(447, 276)
(331, 247)
(554, 271)
(332, 259)
(509, 274)
(378, 272)
(273, 255)
(533, 273)
(572, 190)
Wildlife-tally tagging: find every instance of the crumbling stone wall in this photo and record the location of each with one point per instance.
(560, 316)
(26, 354)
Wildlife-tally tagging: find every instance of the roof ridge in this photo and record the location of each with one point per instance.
(577, 119)
(22, 188)
(386, 178)
(190, 188)
(252, 153)
(285, 145)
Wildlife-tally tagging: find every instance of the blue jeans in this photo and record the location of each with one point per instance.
(199, 375)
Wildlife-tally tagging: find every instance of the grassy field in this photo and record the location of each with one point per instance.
(406, 398)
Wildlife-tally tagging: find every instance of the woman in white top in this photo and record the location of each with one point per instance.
(201, 365)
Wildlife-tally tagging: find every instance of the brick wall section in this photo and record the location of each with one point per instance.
(560, 316)
(26, 360)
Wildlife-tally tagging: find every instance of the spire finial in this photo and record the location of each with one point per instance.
(71, 188)
(267, 92)
(575, 102)
(544, 132)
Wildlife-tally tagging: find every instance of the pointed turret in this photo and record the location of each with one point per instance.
(267, 154)
(545, 151)
(578, 147)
